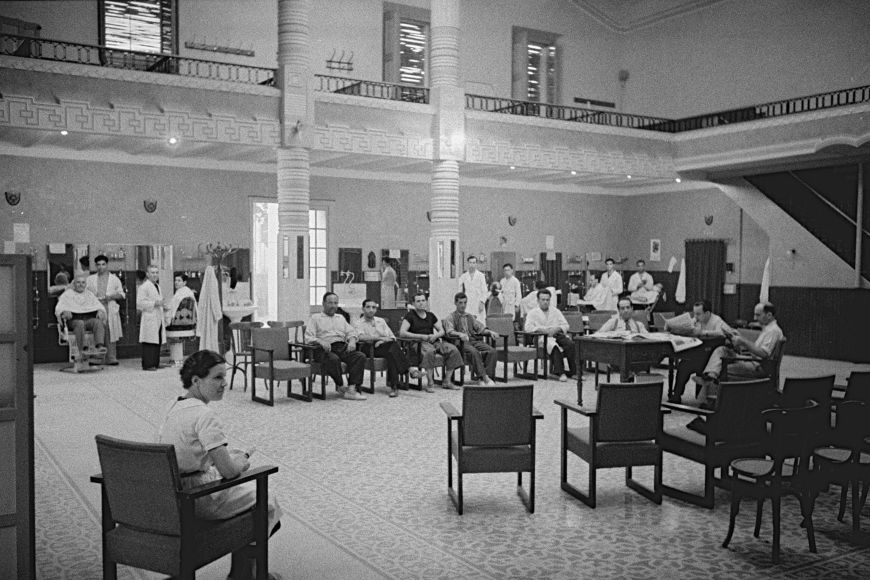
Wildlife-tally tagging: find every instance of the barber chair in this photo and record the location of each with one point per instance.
(82, 358)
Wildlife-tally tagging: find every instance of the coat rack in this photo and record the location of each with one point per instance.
(342, 63)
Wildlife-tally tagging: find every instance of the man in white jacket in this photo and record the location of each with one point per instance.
(108, 289)
(149, 301)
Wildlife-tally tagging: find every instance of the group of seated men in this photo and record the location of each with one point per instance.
(603, 293)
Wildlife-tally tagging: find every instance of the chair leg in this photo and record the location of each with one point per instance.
(735, 508)
(808, 501)
(759, 510)
(844, 491)
(775, 501)
(856, 505)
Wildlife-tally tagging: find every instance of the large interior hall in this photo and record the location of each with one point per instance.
(257, 155)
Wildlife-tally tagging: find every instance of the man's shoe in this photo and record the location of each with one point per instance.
(489, 382)
(112, 363)
(341, 389)
(428, 388)
(351, 394)
(450, 387)
(675, 399)
(563, 378)
(394, 392)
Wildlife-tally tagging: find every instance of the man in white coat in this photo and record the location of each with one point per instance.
(612, 282)
(473, 283)
(149, 301)
(108, 289)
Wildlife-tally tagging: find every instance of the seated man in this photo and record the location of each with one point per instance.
(551, 322)
(771, 334)
(495, 300)
(643, 296)
(82, 311)
(459, 324)
(596, 296)
(423, 326)
(375, 334)
(336, 340)
(706, 325)
(530, 302)
(622, 320)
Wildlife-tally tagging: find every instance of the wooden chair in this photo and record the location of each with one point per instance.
(240, 342)
(770, 365)
(576, 326)
(857, 388)
(495, 433)
(597, 319)
(376, 364)
(510, 350)
(797, 391)
(783, 471)
(733, 429)
(659, 319)
(82, 358)
(148, 519)
(274, 361)
(622, 431)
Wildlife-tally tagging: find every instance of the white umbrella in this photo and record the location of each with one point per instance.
(764, 295)
(208, 312)
(680, 294)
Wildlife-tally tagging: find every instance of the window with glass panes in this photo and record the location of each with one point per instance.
(317, 266)
(140, 25)
(535, 67)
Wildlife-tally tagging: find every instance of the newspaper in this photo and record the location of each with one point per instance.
(679, 343)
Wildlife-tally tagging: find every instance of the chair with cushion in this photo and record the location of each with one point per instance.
(733, 429)
(273, 362)
(507, 348)
(148, 520)
(784, 470)
(576, 326)
(622, 431)
(495, 433)
(181, 328)
(240, 342)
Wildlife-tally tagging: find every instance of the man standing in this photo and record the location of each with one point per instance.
(551, 322)
(771, 334)
(623, 320)
(149, 301)
(336, 340)
(473, 283)
(424, 327)
(472, 333)
(375, 334)
(707, 325)
(511, 291)
(640, 280)
(612, 282)
(108, 289)
(82, 311)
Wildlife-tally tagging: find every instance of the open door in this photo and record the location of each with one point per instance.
(17, 539)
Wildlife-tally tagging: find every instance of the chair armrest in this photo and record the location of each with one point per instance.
(303, 345)
(452, 412)
(565, 404)
(269, 350)
(688, 409)
(222, 484)
(743, 357)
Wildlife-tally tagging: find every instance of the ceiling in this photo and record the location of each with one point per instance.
(629, 15)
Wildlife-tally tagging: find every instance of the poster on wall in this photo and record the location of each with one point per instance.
(655, 250)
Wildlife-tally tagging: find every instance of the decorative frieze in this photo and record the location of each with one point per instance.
(372, 142)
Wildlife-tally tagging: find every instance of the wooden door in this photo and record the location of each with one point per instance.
(17, 539)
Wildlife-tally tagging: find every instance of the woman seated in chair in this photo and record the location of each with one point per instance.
(201, 446)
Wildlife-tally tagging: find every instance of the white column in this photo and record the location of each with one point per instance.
(448, 99)
(295, 80)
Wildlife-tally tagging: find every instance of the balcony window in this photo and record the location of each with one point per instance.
(535, 66)
(406, 45)
(140, 25)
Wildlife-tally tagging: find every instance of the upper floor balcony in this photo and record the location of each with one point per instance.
(228, 115)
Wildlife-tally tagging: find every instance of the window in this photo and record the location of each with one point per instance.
(535, 66)
(406, 44)
(140, 25)
(317, 266)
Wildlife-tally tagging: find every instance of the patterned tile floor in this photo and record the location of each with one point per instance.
(363, 486)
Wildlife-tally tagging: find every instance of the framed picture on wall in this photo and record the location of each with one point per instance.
(655, 250)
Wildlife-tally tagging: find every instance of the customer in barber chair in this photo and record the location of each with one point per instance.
(82, 311)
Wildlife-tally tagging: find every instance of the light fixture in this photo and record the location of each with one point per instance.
(173, 141)
(13, 198)
(64, 132)
(628, 176)
(678, 180)
(513, 167)
(573, 172)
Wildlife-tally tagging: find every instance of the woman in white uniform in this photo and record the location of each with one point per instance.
(201, 447)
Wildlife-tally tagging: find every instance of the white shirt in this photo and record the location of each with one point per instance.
(639, 280)
(476, 289)
(537, 321)
(512, 292)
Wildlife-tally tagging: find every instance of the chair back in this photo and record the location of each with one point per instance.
(858, 387)
(186, 313)
(274, 339)
(788, 435)
(497, 416)
(629, 411)
(575, 322)
(598, 318)
(641, 316)
(739, 405)
(502, 324)
(853, 424)
(659, 319)
(772, 363)
(141, 482)
(295, 328)
(797, 391)
(240, 332)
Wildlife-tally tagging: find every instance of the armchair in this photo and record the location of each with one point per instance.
(495, 433)
(148, 520)
(769, 365)
(273, 361)
(510, 350)
(240, 342)
(622, 432)
(733, 429)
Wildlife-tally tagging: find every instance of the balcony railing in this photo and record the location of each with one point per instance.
(372, 89)
(562, 113)
(133, 60)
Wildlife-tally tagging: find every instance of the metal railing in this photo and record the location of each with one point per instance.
(88, 54)
(372, 89)
(563, 113)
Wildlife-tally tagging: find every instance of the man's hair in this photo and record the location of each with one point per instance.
(611, 260)
(508, 265)
(641, 261)
(81, 276)
(470, 258)
(420, 293)
(367, 300)
(183, 276)
(328, 294)
(459, 296)
(540, 285)
(543, 291)
(768, 307)
(101, 258)
(706, 305)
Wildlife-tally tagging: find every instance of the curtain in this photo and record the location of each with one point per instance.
(551, 273)
(705, 272)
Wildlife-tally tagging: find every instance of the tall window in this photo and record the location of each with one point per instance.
(141, 25)
(406, 44)
(317, 266)
(535, 66)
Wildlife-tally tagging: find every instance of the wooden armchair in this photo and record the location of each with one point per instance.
(622, 432)
(495, 433)
(511, 349)
(240, 341)
(770, 365)
(148, 519)
(735, 428)
(274, 362)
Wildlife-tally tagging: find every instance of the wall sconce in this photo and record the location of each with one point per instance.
(792, 253)
(150, 205)
(13, 197)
